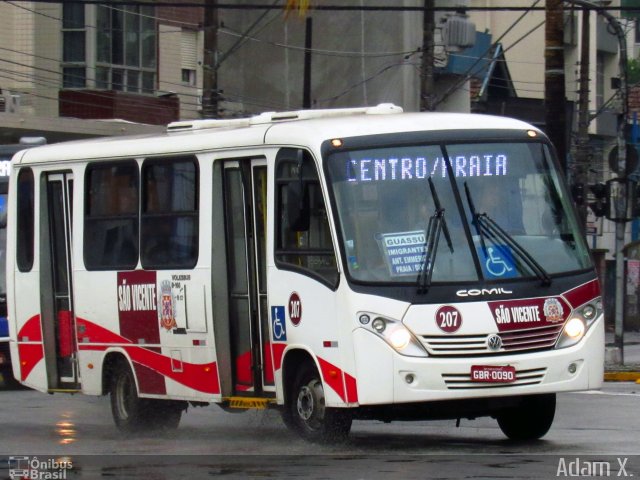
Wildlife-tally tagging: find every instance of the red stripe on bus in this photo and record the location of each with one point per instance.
(268, 364)
(352, 388)
(332, 376)
(31, 331)
(30, 355)
(201, 377)
(582, 294)
(244, 370)
(90, 332)
(277, 350)
(149, 381)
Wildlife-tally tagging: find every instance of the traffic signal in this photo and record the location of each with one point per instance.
(600, 205)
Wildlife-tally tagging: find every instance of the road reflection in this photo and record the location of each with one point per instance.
(65, 428)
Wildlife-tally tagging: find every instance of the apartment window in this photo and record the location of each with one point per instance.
(126, 48)
(189, 77)
(126, 41)
(189, 56)
(73, 42)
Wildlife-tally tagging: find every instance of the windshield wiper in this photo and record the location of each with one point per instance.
(485, 225)
(437, 225)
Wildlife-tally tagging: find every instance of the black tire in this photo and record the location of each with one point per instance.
(134, 414)
(530, 420)
(163, 414)
(8, 381)
(306, 413)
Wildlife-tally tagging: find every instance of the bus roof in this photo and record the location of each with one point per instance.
(301, 128)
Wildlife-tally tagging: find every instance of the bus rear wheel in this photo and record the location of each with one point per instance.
(530, 420)
(307, 414)
(132, 413)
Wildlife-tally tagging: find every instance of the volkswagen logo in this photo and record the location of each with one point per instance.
(494, 342)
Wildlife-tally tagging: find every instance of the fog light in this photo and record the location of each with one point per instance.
(409, 378)
(364, 319)
(379, 325)
(400, 339)
(572, 368)
(574, 328)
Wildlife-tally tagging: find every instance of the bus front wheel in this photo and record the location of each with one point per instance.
(530, 420)
(306, 411)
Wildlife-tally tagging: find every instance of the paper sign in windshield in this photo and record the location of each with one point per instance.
(404, 252)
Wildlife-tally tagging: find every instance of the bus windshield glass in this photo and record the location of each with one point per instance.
(494, 211)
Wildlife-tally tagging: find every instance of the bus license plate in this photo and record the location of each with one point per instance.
(493, 374)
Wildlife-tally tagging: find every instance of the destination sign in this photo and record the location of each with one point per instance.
(408, 168)
(5, 168)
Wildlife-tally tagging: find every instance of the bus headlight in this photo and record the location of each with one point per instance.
(400, 338)
(579, 323)
(397, 336)
(574, 328)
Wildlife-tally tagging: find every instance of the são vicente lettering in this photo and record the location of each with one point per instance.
(526, 314)
(136, 297)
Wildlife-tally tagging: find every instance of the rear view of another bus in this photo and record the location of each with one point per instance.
(6, 153)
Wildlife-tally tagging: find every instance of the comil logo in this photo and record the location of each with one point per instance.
(476, 292)
(34, 468)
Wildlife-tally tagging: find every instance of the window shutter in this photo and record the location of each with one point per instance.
(188, 47)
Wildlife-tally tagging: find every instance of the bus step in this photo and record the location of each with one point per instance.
(249, 402)
(64, 390)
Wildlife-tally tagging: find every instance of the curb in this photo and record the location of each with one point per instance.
(622, 377)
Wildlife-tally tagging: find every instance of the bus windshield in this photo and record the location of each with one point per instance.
(494, 211)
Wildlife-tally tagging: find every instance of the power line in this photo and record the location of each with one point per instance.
(86, 25)
(330, 8)
(468, 74)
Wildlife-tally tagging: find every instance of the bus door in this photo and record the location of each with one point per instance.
(245, 198)
(58, 320)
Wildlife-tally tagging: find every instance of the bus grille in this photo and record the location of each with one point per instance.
(543, 338)
(456, 381)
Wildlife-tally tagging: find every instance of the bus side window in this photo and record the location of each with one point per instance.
(169, 221)
(25, 215)
(111, 216)
(303, 235)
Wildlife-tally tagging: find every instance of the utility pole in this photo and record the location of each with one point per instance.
(621, 199)
(210, 58)
(308, 43)
(427, 82)
(582, 142)
(554, 89)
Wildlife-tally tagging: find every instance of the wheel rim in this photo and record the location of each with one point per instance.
(310, 404)
(123, 396)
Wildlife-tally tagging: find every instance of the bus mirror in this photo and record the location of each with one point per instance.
(298, 206)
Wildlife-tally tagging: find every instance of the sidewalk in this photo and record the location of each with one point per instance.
(630, 370)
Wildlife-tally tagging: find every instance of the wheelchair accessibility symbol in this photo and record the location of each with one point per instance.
(497, 262)
(278, 325)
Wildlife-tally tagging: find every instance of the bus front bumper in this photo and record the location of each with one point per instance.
(385, 377)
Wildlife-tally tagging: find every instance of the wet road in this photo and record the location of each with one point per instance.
(210, 443)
